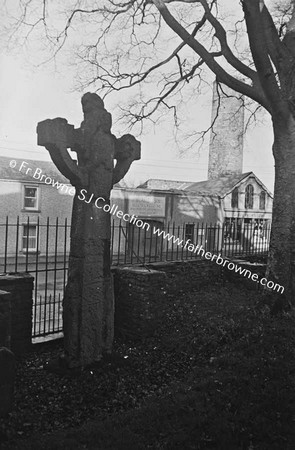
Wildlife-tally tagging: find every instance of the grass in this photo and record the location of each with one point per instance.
(219, 374)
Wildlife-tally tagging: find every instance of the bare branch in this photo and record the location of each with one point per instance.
(146, 112)
(222, 76)
(126, 46)
(138, 77)
(220, 33)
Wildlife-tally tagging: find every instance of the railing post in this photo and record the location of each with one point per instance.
(5, 245)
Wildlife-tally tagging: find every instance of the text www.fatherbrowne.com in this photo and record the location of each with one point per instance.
(199, 250)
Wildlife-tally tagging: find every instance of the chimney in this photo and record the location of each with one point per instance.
(226, 138)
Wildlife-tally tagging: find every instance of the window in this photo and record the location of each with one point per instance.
(249, 197)
(30, 197)
(232, 229)
(189, 231)
(29, 238)
(235, 198)
(262, 199)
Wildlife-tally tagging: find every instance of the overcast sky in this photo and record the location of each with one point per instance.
(29, 95)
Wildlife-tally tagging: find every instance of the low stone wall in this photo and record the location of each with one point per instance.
(254, 267)
(139, 295)
(20, 287)
(185, 276)
(7, 376)
(262, 259)
(143, 294)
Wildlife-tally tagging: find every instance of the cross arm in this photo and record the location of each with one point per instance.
(57, 136)
(127, 150)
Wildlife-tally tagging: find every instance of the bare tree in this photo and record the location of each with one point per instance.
(170, 43)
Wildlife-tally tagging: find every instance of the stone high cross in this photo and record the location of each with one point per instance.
(88, 305)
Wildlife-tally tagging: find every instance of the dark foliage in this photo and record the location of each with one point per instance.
(218, 374)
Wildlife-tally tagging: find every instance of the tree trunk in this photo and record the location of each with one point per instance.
(281, 262)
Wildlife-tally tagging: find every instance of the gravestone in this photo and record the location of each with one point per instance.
(7, 375)
(88, 305)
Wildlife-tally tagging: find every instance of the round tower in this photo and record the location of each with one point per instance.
(226, 138)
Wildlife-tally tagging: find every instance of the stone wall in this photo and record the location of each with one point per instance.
(5, 319)
(184, 276)
(258, 267)
(7, 376)
(20, 286)
(143, 294)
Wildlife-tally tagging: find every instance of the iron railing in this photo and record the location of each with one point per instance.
(42, 249)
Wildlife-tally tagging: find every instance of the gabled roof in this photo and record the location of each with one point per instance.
(47, 167)
(165, 185)
(223, 185)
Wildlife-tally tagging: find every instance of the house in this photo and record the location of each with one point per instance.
(238, 203)
(237, 196)
(243, 198)
(245, 207)
(30, 200)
